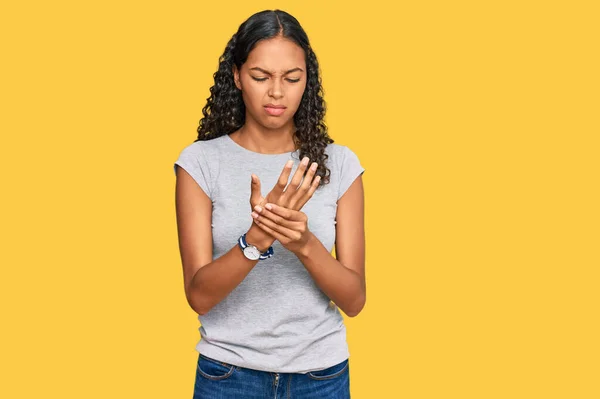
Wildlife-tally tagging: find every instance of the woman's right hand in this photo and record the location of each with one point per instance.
(298, 192)
(292, 198)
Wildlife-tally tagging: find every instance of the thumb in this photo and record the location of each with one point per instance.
(255, 193)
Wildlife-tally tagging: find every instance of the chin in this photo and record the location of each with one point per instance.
(275, 123)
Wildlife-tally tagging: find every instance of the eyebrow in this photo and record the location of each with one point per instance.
(269, 73)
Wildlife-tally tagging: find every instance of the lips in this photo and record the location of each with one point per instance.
(275, 110)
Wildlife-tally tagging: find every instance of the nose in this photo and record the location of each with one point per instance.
(276, 90)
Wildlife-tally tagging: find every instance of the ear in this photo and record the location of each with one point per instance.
(236, 77)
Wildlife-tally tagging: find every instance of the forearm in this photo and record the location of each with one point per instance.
(214, 281)
(341, 284)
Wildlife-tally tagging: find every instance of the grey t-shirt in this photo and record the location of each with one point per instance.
(277, 319)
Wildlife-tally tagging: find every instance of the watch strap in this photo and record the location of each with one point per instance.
(265, 255)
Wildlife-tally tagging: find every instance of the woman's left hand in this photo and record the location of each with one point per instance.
(288, 226)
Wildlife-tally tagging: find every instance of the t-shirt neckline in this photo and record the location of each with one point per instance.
(247, 151)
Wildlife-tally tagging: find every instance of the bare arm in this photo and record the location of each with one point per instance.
(342, 279)
(208, 282)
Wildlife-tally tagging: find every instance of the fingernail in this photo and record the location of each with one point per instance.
(305, 161)
(289, 164)
(268, 206)
(313, 166)
(254, 214)
(258, 208)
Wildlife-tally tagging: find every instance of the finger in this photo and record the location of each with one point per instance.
(273, 230)
(286, 213)
(283, 179)
(298, 175)
(255, 194)
(313, 187)
(304, 187)
(309, 177)
(280, 220)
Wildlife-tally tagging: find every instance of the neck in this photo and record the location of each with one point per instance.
(267, 141)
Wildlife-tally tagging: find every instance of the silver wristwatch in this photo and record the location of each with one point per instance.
(251, 251)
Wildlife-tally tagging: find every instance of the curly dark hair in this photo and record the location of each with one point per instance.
(225, 111)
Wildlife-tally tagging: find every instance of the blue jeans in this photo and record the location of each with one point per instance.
(220, 380)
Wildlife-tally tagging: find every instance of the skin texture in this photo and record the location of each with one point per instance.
(342, 278)
(207, 282)
(262, 132)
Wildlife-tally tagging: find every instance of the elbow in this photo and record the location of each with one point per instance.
(194, 306)
(196, 303)
(355, 310)
(197, 308)
(197, 298)
(353, 313)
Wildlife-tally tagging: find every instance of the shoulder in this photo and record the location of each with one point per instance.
(334, 152)
(203, 148)
(201, 159)
(339, 154)
(345, 166)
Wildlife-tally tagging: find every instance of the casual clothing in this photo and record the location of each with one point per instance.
(277, 319)
(219, 380)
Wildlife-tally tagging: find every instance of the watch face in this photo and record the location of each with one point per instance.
(251, 252)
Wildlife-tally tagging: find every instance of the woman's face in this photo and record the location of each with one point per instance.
(274, 74)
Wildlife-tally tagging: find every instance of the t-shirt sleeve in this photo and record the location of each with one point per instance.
(350, 169)
(193, 161)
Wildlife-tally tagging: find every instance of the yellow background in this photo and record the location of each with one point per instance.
(477, 123)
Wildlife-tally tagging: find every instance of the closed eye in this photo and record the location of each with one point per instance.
(263, 79)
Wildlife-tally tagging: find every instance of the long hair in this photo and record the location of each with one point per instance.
(225, 111)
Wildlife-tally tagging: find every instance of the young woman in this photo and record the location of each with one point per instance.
(261, 277)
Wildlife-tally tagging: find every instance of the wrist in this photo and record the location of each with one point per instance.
(259, 238)
(307, 249)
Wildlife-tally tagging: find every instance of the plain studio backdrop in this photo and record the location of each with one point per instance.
(477, 124)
